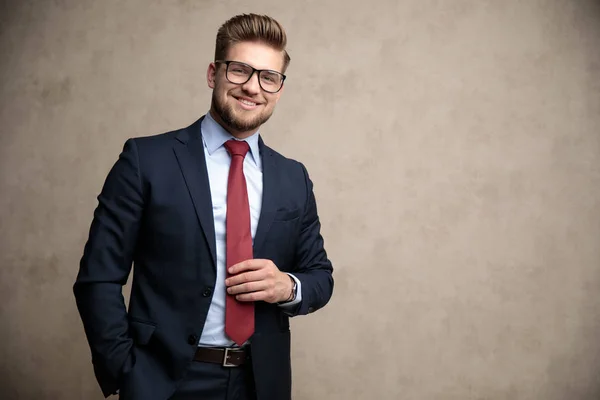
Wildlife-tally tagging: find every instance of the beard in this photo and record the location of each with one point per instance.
(234, 122)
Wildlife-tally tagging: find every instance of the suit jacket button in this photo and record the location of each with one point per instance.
(193, 339)
(207, 292)
(311, 309)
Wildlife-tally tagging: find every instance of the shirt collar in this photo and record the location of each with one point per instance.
(214, 136)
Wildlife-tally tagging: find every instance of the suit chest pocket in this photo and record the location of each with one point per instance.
(283, 237)
(286, 215)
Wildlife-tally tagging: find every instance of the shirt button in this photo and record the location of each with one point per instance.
(207, 292)
(193, 339)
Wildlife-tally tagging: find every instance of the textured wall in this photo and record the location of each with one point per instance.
(455, 150)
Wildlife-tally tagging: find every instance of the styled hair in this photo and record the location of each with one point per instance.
(251, 28)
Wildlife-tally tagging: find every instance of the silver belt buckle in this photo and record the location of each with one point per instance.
(226, 356)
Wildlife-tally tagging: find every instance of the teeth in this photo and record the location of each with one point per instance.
(246, 102)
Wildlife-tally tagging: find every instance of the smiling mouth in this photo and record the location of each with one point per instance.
(247, 103)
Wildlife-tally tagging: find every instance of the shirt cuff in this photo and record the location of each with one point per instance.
(298, 298)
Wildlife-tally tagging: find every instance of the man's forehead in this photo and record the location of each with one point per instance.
(256, 54)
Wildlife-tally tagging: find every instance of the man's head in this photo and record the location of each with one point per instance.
(243, 99)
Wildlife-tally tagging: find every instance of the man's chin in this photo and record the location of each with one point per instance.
(244, 125)
(248, 119)
(240, 120)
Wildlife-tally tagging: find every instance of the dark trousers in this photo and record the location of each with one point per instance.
(208, 381)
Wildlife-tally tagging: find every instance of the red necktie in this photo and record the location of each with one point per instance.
(239, 316)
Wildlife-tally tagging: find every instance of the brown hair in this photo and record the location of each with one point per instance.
(251, 28)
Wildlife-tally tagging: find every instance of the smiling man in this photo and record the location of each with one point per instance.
(225, 239)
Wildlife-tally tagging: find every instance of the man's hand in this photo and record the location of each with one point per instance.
(259, 280)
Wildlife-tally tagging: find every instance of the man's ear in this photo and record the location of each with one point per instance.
(211, 75)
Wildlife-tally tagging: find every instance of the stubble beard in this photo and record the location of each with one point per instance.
(232, 121)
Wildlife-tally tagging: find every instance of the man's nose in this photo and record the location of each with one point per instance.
(252, 86)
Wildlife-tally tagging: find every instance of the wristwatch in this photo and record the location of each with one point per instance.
(294, 291)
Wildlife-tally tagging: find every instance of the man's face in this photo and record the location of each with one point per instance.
(243, 108)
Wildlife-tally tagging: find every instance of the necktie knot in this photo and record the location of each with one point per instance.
(237, 147)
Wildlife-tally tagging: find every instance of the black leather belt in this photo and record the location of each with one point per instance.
(226, 356)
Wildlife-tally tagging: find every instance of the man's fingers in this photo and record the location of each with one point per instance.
(252, 276)
(254, 296)
(249, 265)
(247, 287)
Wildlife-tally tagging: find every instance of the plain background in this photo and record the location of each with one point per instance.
(455, 151)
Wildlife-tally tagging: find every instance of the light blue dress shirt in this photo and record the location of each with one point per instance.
(217, 163)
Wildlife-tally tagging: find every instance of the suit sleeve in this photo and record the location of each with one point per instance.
(313, 268)
(105, 268)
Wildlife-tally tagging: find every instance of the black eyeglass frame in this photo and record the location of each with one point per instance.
(228, 62)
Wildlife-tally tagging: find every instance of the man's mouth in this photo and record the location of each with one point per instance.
(247, 104)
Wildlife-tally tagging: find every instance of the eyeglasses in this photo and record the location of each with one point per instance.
(239, 73)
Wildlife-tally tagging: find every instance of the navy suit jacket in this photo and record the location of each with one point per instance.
(155, 212)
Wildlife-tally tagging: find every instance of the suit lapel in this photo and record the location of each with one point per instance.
(269, 197)
(190, 155)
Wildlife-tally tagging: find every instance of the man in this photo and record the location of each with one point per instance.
(224, 237)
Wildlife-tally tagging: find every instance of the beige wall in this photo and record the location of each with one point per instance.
(455, 150)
